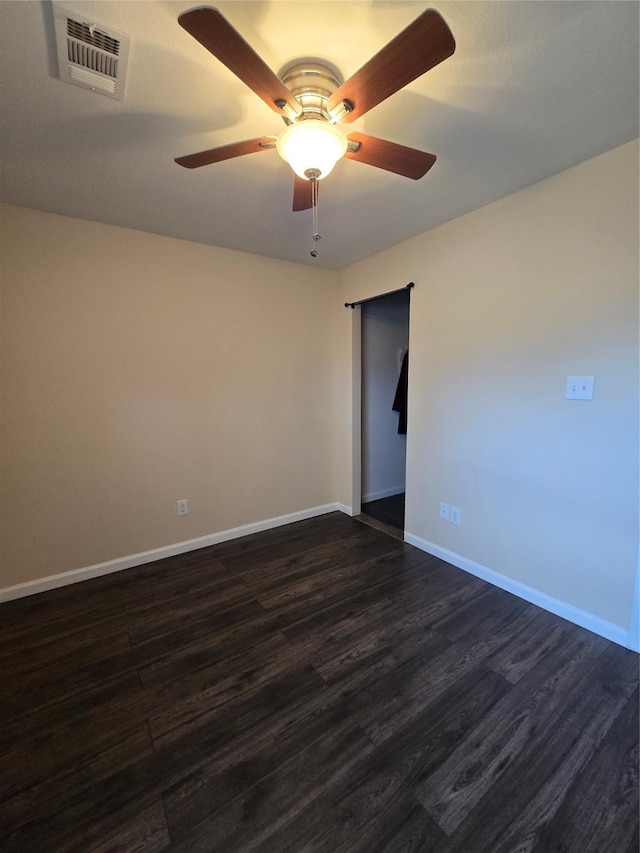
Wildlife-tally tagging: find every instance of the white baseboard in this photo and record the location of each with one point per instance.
(347, 510)
(608, 630)
(385, 493)
(99, 569)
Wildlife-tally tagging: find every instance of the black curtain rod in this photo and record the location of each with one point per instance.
(371, 298)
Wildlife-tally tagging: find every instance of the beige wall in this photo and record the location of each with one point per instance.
(509, 301)
(137, 370)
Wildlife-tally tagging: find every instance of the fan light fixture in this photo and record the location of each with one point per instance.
(311, 97)
(312, 147)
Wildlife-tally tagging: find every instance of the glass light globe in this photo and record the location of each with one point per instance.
(311, 144)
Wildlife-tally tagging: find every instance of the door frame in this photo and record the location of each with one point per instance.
(356, 392)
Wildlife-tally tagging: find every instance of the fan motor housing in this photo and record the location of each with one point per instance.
(311, 83)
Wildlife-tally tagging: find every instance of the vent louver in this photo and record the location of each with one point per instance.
(90, 55)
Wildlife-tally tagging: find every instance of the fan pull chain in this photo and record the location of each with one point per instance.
(314, 212)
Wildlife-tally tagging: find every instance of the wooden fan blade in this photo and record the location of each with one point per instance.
(214, 32)
(227, 152)
(422, 45)
(390, 156)
(301, 193)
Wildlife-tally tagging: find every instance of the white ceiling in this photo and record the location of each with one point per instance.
(533, 88)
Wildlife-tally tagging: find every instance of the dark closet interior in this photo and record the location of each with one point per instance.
(385, 344)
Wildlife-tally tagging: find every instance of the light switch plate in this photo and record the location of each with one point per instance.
(579, 388)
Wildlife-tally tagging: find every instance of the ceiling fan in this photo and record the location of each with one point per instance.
(312, 99)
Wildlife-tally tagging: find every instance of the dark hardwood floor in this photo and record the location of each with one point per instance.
(389, 511)
(320, 687)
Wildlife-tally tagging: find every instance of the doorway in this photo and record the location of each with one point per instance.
(384, 362)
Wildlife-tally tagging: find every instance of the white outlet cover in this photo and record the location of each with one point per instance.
(454, 517)
(444, 511)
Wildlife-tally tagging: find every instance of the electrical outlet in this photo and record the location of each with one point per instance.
(454, 516)
(444, 512)
(182, 507)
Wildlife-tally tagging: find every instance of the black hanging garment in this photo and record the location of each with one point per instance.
(400, 400)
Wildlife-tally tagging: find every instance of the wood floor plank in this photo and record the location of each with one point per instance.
(421, 678)
(476, 617)
(308, 624)
(296, 715)
(188, 653)
(374, 568)
(240, 731)
(182, 701)
(385, 575)
(120, 693)
(364, 804)
(197, 578)
(351, 591)
(549, 766)
(122, 793)
(280, 570)
(537, 639)
(353, 639)
(509, 731)
(278, 543)
(197, 797)
(405, 827)
(247, 716)
(91, 826)
(228, 607)
(24, 690)
(371, 677)
(83, 602)
(48, 784)
(262, 807)
(144, 832)
(438, 591)
(588, 814)
(206, 626)
(288, 708)
(51, 623)
(48, 650)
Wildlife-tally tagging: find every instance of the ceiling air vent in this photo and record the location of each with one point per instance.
(90, 54)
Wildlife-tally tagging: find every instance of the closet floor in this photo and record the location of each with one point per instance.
(389, 510)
